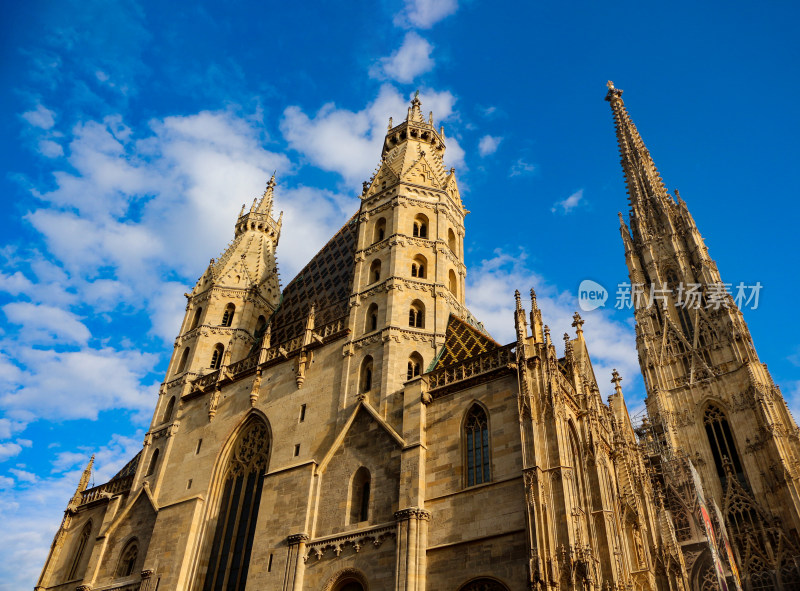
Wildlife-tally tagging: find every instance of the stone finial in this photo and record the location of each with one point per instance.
(613, 94)
(390, 123)
(241, 213)
(616, 379)
(577, 323)
(517, 299)
(534, 303)
(546, 335)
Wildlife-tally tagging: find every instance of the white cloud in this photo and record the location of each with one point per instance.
(349, 142)
(78, 384)
(40, 117)
(9, 450)
(410, 60)
(43, 324)
(424, 14)
(489, 144)
(522, 168)
(611, 344)
(570, 203)
(50, 149)
(32, 507)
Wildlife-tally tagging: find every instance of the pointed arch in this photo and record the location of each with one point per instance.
(196, 318)
(453, 281)
(721, 441)
(128, 558)
(183, 360)
(483, 584)
(365, 378)
(227, 315)
(371, 319)
(151, 467)
(477, 460)
(216, 356)
(241, 478)
(80, 550)
(374, 271)
(360, 485)
(419, 267)
(451, 241)
(380, 230)
(415, 364)
(416, 314)
(420, 227)
(170, 408)
(348, 579)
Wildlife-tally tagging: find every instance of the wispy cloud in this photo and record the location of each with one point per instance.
(569, 204)
(348, 142)
(423, 14)
(488, 144)
(612, 344)
(410, 60)
(522, 167)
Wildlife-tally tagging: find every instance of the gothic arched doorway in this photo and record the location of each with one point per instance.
(483, 584)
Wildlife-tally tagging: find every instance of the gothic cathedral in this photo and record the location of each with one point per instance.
(359, 429)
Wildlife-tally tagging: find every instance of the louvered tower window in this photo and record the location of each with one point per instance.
(236, 523)
(721, 441)
(476, 433)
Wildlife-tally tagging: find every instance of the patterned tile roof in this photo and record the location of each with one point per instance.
(463, 341)
(325, 281)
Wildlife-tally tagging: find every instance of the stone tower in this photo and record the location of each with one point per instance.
(409, 272)
(709, 398)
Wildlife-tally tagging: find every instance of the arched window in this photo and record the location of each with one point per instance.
(261, 323)
(151, 468)
(371, 321)
(453, 282)
(414, 366)
(243, 478)
(127, 559)
(451, 241)
(80, 548)
(375, 271)
(348, 580)
(418, 266)
(216, 356)
(366, 374)
(184, 359)
(722, 444)
(476, 435)
(227, 316)
(196, 318)
(420, 229)
(380, 230)
(416, 315)
(359, 496)
(169, 410)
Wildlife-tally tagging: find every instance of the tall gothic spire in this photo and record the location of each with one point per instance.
(651, 204)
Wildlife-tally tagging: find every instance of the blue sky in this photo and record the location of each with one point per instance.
(134, 131)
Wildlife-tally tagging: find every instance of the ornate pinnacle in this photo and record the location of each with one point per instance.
(546, 335)
(390, 123)
(577, 323)
(517, 299)
(83, 483)
(613, 94)
(616, 379)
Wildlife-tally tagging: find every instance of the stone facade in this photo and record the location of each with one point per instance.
(359, 429)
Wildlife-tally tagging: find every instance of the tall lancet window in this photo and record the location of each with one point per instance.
(236, 523)
(476, 434)
(721, 441)
(77, 557)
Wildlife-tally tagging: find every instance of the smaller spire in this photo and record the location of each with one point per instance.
(390, 123)
(517, 299)
(577, 323)
(616, 379)
(83, 483)
(414, 112)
